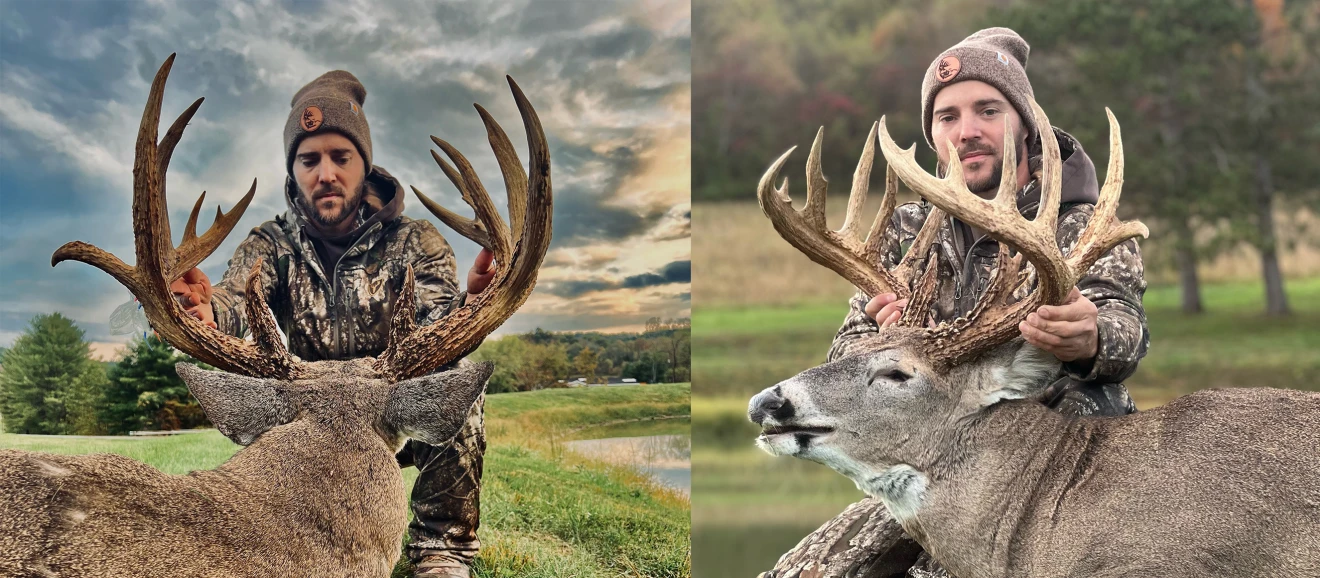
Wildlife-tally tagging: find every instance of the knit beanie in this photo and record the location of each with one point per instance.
(995, 56)
(331, 103)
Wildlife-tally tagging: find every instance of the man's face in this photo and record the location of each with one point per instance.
(971, 114)
(330, 175)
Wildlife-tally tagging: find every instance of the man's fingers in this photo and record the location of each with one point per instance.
(484, 260)
(1059, 328)
(878, 302)
(891, 319)
(1040, 338)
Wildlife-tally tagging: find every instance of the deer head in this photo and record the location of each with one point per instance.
(396, 394)
(901, 394)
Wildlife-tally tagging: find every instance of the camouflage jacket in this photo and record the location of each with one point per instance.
(1115, 284)
(341, 310)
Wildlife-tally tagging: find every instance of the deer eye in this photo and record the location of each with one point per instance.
(893, 374)
(897, 375)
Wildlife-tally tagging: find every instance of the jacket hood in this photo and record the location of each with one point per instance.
(382, 202)
(1079, 182)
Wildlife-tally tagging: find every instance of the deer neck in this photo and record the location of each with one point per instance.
(338, 489)
(978, 495)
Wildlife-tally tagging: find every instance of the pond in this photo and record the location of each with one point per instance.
(666, 456)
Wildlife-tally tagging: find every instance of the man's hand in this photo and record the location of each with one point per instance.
(194, 292)
(1068, 331)
(886, 309)
(483, 271)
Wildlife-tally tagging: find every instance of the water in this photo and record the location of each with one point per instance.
(666, 458)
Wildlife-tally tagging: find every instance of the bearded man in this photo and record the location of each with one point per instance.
(332, 267)
(1100, 332)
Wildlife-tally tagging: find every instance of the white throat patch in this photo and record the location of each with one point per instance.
(902, 488)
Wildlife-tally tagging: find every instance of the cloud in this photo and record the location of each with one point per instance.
(675, 272)
(610, 81)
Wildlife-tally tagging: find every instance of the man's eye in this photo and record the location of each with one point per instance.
(990, 111)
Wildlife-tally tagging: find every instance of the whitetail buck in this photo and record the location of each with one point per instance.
(317, 490)
(940, 422)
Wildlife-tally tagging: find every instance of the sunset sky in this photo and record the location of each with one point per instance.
(610, 81)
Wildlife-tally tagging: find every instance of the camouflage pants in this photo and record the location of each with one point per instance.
(1069, 397)
(446, 500)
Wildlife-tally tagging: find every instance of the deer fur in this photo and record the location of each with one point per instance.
(992, 483)
(315, 492)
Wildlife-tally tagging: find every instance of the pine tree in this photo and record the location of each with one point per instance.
(145, 393)
(48, 378)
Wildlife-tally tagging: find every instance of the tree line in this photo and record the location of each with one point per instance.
(542, 359)
(1216, 98)
(49, 383)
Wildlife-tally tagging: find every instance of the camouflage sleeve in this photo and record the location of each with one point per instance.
(1115, 284)
(902, 229)
(228, 297)
(435, 271)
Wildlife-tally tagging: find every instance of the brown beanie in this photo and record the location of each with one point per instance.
(331, 103)
(995, 56)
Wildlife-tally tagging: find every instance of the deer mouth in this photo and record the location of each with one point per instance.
(775, 430)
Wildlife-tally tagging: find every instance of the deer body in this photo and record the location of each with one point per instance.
(1213, 484)
(320, 495)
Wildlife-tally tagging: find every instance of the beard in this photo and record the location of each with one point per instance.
(329, 218)
(995, 157)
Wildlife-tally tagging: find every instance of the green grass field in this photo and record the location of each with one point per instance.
(740, 350)
(545, 512)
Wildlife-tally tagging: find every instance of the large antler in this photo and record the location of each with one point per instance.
(159, 262)
(412, 352)
(842, 251)
(992, 322)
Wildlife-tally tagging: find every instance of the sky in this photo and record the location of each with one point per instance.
(611, 82)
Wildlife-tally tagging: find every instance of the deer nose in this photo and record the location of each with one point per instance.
(769, 403)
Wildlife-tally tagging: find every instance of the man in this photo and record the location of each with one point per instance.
(332, 267)
(1100, 332)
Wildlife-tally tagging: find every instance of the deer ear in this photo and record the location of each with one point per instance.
(1023, 372)
(432, 408)
(241, 407)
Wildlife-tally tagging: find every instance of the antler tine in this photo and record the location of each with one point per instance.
(861, 185)
(1105, 231)
(411, 353)
(158, 262)
(818, 186)
(470, 228)
(515, 180)
(535, 239)
(193, 250)
(474, 193)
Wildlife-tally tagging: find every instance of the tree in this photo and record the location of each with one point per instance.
(585, 363)
(510, 355)
(49, 379)
(145, 393)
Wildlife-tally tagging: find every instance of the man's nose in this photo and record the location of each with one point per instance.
(325, 172)
(769, 403)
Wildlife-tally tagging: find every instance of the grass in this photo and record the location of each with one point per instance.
(545, 512)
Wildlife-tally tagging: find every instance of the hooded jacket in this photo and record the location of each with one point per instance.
(1115, 283)
(343, 309)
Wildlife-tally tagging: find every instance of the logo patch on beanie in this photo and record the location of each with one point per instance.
(353, 107)
(1002, 59)
(947, 68)
(311, 118)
